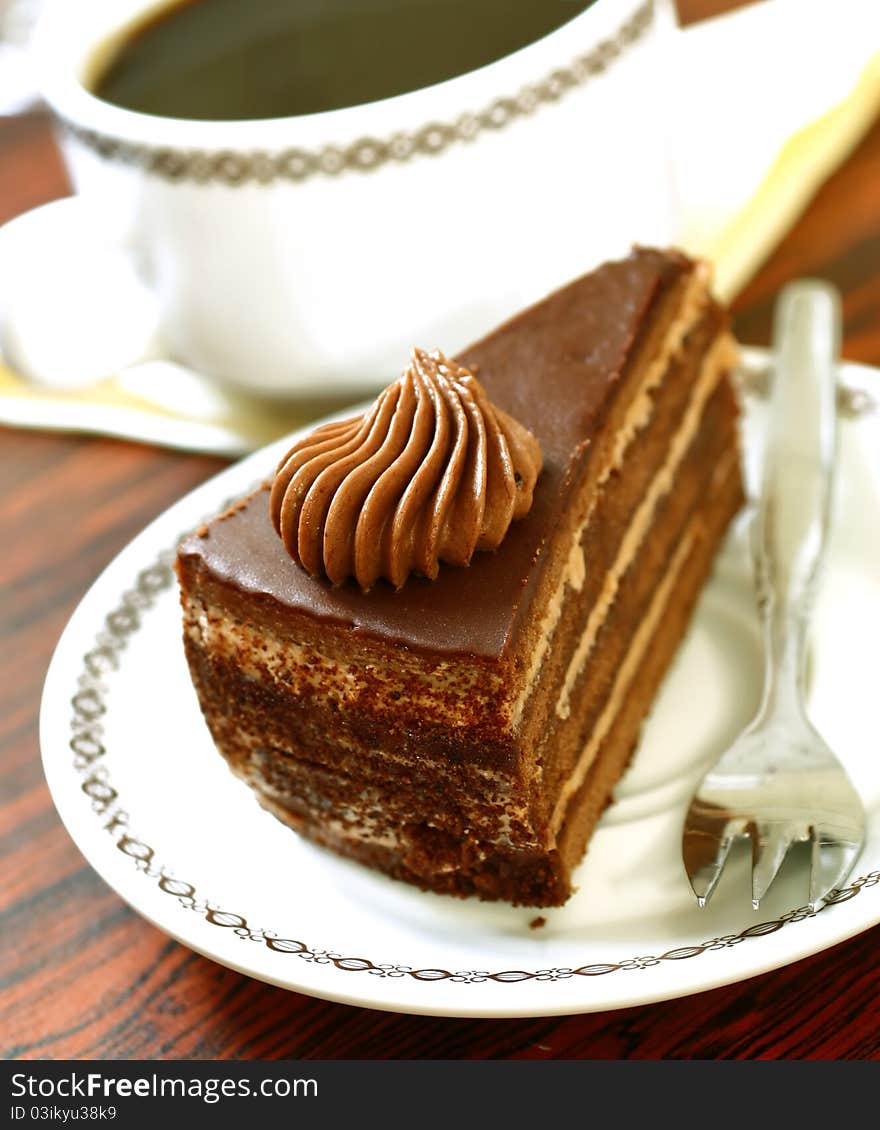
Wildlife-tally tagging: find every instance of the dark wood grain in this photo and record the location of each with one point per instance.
(84, 977)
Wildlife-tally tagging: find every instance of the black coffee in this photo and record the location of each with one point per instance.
(226, 60)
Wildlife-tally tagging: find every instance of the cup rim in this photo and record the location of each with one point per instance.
(61, 57)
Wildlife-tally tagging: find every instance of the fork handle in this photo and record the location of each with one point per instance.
(794, 505)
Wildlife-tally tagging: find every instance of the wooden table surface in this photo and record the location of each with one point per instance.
(84, 977)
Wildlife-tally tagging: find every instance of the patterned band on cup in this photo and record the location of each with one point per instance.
(368, 153)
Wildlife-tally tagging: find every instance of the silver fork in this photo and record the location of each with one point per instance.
(780, 783)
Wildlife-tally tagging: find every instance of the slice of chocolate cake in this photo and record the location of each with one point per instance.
(431, 643)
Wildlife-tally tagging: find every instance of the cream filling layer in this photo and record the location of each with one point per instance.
(638, 647)
(299, 669)
(625, 673)
(717, 361)
(497, 819)
(341, 831)
(693, 303)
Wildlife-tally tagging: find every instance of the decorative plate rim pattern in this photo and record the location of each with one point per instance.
(366, 154)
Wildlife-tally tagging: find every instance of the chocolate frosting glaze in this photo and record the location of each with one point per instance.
(555, 367)
(431, 472)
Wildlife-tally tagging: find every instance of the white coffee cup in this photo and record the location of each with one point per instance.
(309, 254)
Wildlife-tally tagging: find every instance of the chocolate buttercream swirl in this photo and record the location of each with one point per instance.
(431, 472)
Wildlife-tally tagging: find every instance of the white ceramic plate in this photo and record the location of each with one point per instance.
(153, 808)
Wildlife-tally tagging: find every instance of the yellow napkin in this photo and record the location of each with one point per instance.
(157, 403)
(778, 94)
